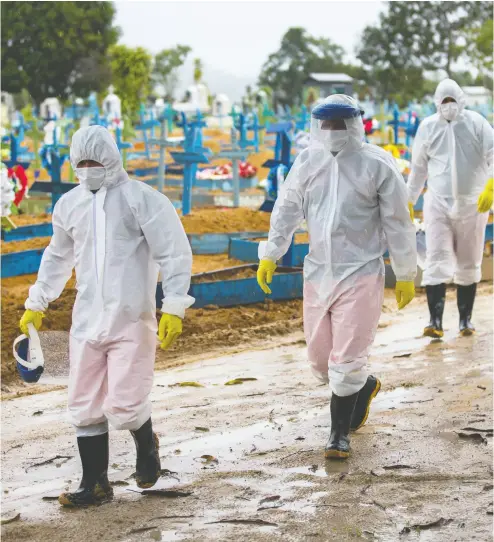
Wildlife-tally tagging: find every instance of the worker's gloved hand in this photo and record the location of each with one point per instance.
(410, 210)
(405, 292)
(265, 274)
(485, 199)
(30, 317)
(169, 330)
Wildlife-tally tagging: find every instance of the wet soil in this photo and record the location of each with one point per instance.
(251, 455)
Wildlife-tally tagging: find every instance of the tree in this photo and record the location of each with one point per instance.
(390, 70)
(131, 75)
(480, 47)
(56, 48)
(415, 36)
(197, 70)
(299, 54)
(248, 98)
(165, 70)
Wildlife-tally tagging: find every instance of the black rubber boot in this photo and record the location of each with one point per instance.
(365, 395)
(148, 465)
(338, 446)
(95, 487)
(465, 298)
(436, 297)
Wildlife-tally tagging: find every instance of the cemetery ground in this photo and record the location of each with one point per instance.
(245, 462)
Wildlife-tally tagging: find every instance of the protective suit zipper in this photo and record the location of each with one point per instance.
(454, 173)
(94, 238)
(333, 195)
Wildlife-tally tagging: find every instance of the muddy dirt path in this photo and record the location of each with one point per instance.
(248, 458)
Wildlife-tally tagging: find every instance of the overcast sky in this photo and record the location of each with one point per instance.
(237, 37)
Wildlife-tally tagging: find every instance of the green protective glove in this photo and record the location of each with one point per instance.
(265, 274)
(30, 317)
(169, 330)
(484, 202)
(405, 292)
(410, 210)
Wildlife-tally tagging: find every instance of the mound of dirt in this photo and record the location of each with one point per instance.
(206, 220)
(26, 220)
(28, 244)
(225, 220)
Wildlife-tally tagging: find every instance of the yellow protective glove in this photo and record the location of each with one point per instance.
(410, 210)
(265, 274)
(484, 202)
(169, 330)
(405, 292)
(30, 317)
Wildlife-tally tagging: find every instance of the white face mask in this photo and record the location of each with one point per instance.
(92, 177)
(336, 139)
(449, 111)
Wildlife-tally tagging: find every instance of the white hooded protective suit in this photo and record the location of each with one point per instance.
(456, 160)
(355, 205)
(118, 239)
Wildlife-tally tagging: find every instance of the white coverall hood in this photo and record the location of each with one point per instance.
(454, 157)
(96, 143)
(354, 134)
(449, 89)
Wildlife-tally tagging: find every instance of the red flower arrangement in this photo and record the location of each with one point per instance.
(18, 174)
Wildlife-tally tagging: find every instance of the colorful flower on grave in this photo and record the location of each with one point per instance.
(18, 175)
(368, 126)
(246, 170)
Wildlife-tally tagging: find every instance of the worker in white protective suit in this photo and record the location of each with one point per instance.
(118, 234)
(354, 201)
(453, 152)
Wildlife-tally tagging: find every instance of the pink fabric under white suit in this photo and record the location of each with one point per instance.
(118, 240)
(455, 243)
(455, 158)
(355, 205)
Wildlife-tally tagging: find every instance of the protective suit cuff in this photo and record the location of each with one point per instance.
(413, 197)
(177, 305)
(35, 306)
(406, 278)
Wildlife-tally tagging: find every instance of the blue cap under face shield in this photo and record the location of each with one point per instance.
(337, 124)
(335, 111)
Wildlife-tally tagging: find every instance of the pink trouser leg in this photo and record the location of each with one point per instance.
(87, 387)
(130, 379)
(469, 241)
(112, 381)
(339, 339)
(440, 251)
(317, 329)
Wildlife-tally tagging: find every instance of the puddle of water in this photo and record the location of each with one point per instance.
(336, 467)
(299, 483)
(312, 470)
(309, 505)
(270, 434)
(396, 398)
(169, 536)
(448, 436)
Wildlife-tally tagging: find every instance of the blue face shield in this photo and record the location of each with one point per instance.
(336, 122)
(335, 111)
